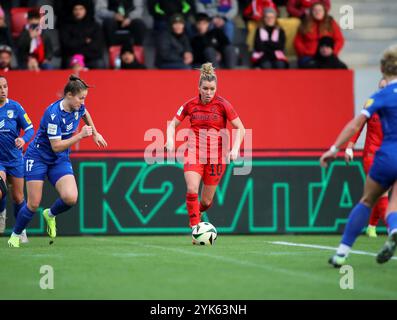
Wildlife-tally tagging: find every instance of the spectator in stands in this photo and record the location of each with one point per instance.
(163, 10)
(325, 57)
(212, 45)
(253, 15)
(5, 58)
(269, 43)
(315, 26)
(64, 10)
(173, 47)
(128, 59)
(77, 64)
(5, 36)
(301, 8)
(121, 21)
(82, 35)
(34, 45)
(222, 13)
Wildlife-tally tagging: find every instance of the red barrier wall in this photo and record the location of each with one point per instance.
(285, 109)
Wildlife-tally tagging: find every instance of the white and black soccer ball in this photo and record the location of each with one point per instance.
(204, 234)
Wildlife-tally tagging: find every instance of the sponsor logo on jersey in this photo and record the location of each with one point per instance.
(10, 114)
(28, 121)
(53, 116)
(369, 103)
(52, 129)
(69, 126)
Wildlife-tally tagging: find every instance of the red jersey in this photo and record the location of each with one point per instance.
(210, 118)
(374, 136)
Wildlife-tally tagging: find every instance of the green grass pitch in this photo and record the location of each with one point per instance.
(170, 267)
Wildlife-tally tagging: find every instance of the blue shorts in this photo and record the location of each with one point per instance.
(37, 169)
(16, 170)
(384, 169)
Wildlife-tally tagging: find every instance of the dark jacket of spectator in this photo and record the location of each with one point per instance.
(63, 10)
(325, 58)
(214, 38)
(171, 48)
(299, 8)
(24, 46)
(82, 37)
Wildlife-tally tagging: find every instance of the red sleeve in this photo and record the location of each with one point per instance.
(338, 38)
(182, 112)
(299, 45)
(293, 10)
(231, 114)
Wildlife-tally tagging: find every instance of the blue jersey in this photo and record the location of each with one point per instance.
(384, 102)
(55, 124)
(13, 118)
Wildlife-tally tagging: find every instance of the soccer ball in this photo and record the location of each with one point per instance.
(204, 234)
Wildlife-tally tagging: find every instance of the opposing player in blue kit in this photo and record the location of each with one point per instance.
(383, 173)
(13, 119)
(48, 155)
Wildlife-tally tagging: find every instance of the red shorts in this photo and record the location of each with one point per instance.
(210, 173)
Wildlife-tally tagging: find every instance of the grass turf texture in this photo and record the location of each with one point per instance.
(170, 267)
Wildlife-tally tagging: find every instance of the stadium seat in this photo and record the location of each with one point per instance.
(114, 52)
(19, 18)
(290, 26)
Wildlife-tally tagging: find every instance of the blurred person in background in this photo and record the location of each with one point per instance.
(122, 21)
(325, 57)
(212, 45)
(5, 58)
(35, 48)
(301, 8)
(173, 50)
(316, 25)
(128, 59)
(269, 43)
(82, 35)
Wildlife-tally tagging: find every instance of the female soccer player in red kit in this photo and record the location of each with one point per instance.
(205, 161)
(373, 140)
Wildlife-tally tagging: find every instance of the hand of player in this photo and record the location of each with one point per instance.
(19, 143)
(233, 155)
(99, 140)
(349, 155)
(327, 156)
(86, 131)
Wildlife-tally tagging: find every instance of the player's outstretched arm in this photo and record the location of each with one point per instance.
(237, 124)
(170, 143)
(348, 131)
(59, 145)
(98, 139)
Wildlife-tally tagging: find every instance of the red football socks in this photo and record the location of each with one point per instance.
(192, 206)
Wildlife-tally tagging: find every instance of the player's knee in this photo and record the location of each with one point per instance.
(33, 205)
(70, 199)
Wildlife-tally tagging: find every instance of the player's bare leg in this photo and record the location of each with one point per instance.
(18, 200)
(207, 196)
(3, 213)
(193, 180)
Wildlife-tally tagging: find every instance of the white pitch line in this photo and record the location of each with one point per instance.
(315, 246)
